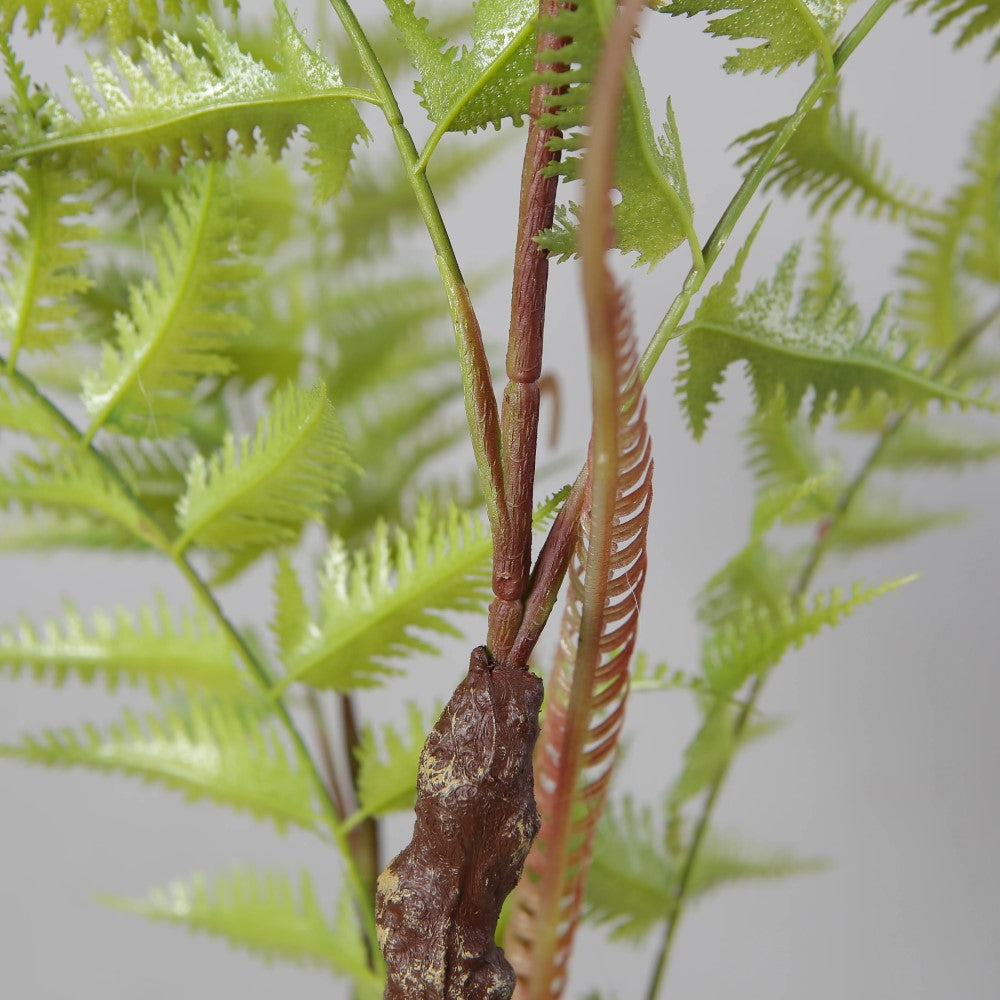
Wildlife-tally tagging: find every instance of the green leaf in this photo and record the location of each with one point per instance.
(387, 767)
(375, 602)
(926, 444)
(832, 163)
(874, 520)
(121, 20)
(204, 749)
(23, 411)
(43, 275)
(264, 912)
(259, 492)
(750, 643)
(177, 105)
(790, 30)
(979, 16)
(707, 753)
(727, 859)
(481, 85)
(793, 347)
(655, 213)
(180, 326)
(154, 647)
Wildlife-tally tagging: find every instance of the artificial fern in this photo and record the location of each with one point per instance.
(152, 647)
(180, 105)
(216, 749)
(265, 913)
(261, 491)
(979, 17)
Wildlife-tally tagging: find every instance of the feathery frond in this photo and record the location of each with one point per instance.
(874, 520)
(121, 20)
(177, 105)
(481, 85)
(655, 213)
(923, 444)
(205, 749)
(180, 325)
(24, 412)
(264, 912)
(792, 348)
(832, 163)
(258, 493)
(747, 644)
(790, 30)
(980, 16)
(374, 603)
(43, 275)
(571, 788)
(387, 767)
(153, 647)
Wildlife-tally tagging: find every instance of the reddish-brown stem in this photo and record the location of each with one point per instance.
(364, 839)
(519, 413)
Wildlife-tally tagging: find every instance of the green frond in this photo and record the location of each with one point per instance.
(977, 17)
(712, 745)
(750, 643)
(179, 325)
(43, 276)
(832, 163)
(387, 766)
(70, 482)
(926, 444)
(177, 105)
(155, 471)
(874, 520)
(121, 21)
(258, 492)
(963, 240)
(631, 875)
(204, 749)
(267, 914)
(377, 604)
(153, 647)
(655, 213)
(790, 31)
(45, 532)
(794, 348)
(647, 676)
(24, 412)
(726, 859)
(482, 85)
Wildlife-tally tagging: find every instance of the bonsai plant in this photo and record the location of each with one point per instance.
(220, 349)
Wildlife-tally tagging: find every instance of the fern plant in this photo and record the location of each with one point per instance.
(226, 352)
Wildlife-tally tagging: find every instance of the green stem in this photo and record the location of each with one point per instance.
(154, 535)
(480, 401)
(734, 210)
(819, 548)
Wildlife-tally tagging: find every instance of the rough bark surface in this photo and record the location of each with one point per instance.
(439, 899)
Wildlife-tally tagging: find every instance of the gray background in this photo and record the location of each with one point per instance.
(887, 765)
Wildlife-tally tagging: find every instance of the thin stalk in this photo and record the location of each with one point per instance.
(322, 731)
(812, 562)
(154, 536)
(365, 839)
(480, 401)
(734, 210)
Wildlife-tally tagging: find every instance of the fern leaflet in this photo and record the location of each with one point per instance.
(179, 326)
(922, 444)
(655, 213)
(263, 912)
(831, 162)
(483, 84)
(153, 647)
(178, 105)
(790, 30)
(259, 492)
(980, 16)
(213, 749)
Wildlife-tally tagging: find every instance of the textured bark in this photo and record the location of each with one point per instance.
(439, 899)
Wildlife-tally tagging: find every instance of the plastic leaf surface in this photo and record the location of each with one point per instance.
(179, 326)
(790, 31)
(153, 647)
(481, 85)
(205, 749)
(177, 105)
(266, 913)
(259, 492)
(654, 214)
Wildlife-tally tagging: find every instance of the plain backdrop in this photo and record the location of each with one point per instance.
(886, 766)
